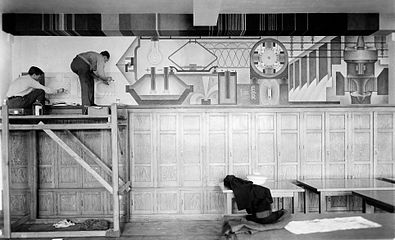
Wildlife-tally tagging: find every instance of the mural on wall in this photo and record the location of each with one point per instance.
(127, 63)
(267, 71)
(361, 81)
(343, 70)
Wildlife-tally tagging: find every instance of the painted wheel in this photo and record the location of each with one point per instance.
(268, 58)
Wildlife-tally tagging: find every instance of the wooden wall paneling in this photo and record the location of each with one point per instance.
(68, 203)
(266, 145)
(167, 201)
(19, 202)
(19, 155)
(312, 163)
(192, 201)
(384, 144)
(97, 142)
(214, 200)
(47, 163)
(143, 201)
(217, 147)
(69, 171)
(33, 174)
(313, 144)
(336, 140)
(337, 154)
(360, 164)
(240, 145)
(191, 149)
(142, 148)
(46, 203)
(92, 202)
(288, 145)
(167, 150)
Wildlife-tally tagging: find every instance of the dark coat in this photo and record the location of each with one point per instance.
(249, 196)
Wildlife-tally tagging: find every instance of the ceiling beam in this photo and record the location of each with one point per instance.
(205, 12)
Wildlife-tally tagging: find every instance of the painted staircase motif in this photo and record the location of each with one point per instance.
(322, 87)
(315, 87)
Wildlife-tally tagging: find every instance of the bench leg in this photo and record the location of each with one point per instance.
(229, 204)
(322, 204)
(305, 202)
(295, 201)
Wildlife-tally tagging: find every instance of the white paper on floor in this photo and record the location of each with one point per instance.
(329, 225)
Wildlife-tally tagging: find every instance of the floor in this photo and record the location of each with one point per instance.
(169, 230)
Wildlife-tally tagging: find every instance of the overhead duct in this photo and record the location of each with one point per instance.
(287, 24)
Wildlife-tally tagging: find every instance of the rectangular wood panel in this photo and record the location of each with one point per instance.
(241, 148)
(19, 155)
(142, 202)
(92, 203)
(68, 203)
(192, 202)
(167, 201)
(142, 147)
(361, 141)
(265, 122)
(217, 148)
(214, 201)
(191, 149)
(266, 147)
(167, 148)
(289, 148)
(240, 144)
(336, 139)
(46, 206)
(288, 143)
(19, 202)
(312, 137)
(362, 146)
(337, 147)
(384, 144)
(313, 147)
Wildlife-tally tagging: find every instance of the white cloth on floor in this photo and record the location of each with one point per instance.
(63, 224)
(329, 225)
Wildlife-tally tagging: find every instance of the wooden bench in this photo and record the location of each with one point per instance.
(278, 189)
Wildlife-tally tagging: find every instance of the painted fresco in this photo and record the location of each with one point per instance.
(262, 71)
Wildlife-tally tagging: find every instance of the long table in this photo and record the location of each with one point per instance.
(278, 189)
(341, 187)
(384, 200)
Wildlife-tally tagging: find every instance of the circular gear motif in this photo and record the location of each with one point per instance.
(268, 58)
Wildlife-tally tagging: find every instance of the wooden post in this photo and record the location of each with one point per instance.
(115, 172)
(5, 167)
